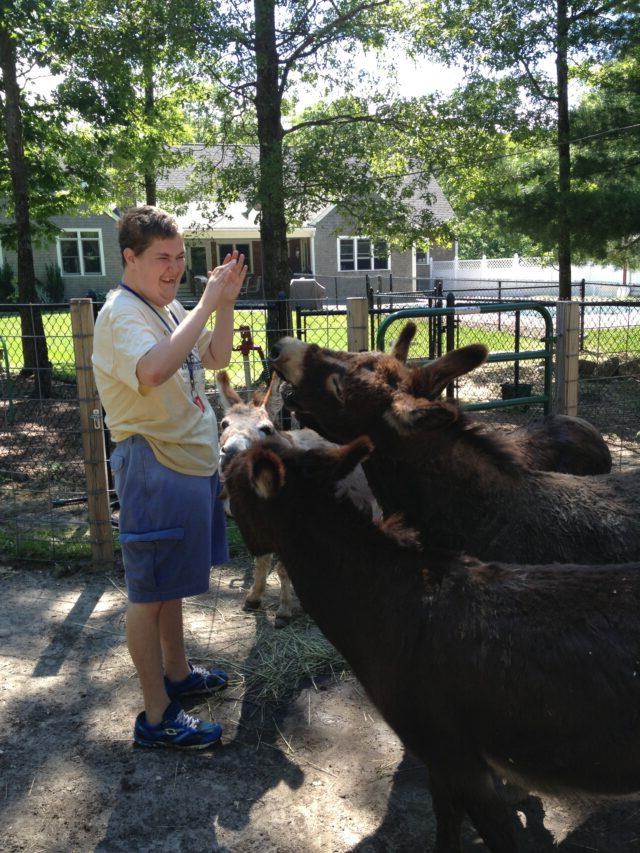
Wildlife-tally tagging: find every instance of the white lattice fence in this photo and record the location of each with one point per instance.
(474, 271)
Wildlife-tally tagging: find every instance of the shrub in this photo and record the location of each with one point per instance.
(7, 287)
(53, 285)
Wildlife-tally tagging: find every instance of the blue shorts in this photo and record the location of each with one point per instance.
(172, 526)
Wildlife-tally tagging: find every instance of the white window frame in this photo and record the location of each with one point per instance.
(77, 232)
(355, 239)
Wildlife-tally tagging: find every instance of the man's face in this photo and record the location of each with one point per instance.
(156, 272)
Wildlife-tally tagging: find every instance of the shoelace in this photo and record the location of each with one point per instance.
(187, 720)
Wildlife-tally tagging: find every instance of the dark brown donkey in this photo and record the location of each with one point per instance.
(561, 443)
(532, 671)
(462, 485)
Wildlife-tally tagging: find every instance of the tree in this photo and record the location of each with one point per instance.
(515, 41)
(607, 163)
(131, 71)
(504, 197)
(269, 47)
(13, 41)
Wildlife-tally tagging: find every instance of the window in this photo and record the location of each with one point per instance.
(199, 260)
(80, 253)
(362, 253)
(225, 249)
(421, 257)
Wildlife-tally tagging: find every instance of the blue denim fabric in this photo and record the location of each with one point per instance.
(172, 526)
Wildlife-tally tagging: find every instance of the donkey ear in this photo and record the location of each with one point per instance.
(228, 397)
(273, 401)
(409, 413)
(266, 474)
(350, 455)
(431, 380)
(400, 349)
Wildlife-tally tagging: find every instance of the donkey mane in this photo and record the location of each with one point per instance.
(395, 528)
(492, 445)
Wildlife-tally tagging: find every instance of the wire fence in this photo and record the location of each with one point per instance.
(43, 509)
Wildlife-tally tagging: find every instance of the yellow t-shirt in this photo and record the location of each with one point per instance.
(182, 436)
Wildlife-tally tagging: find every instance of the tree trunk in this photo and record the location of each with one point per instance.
(564, 153)
(34, 342)
(273, 226)
(150, 182)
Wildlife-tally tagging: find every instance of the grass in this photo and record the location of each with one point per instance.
(328, 330)
(43, 545)
(237, 548)
(283, 659)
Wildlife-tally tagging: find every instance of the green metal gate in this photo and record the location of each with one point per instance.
(545, 354)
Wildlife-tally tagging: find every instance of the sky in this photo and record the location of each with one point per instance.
(413, 79)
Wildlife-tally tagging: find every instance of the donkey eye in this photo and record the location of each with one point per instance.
(334, 385)
(266, 429)
(224, 424)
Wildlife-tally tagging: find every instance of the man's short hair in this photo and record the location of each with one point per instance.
(139, 226)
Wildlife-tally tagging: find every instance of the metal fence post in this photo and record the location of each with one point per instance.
(583, 293)
(438, 320)
(95, 456)
(357, 315)
(450, 334)
(567, 332)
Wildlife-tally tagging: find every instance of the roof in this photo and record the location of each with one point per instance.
(239, 219)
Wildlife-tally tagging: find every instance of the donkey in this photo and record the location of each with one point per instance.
(530, 671)
(246, 424)
(561, 443)
(459, 483)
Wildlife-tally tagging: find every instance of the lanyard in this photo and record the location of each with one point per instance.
(157, 313)
(189, 358)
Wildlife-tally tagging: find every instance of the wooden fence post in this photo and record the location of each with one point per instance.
(95, 457)
(568, 336)
(357, 317)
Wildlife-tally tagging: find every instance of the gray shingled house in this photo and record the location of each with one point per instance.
(326, 247)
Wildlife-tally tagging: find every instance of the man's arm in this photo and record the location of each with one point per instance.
(164, 359)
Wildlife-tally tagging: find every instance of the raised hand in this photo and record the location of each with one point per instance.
(224, 282)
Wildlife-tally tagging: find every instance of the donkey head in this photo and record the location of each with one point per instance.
(271, 482)
(347, 394)
(245, 424)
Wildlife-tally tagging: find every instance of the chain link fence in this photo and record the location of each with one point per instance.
(43, 503)
(42, 482)
(609, 374)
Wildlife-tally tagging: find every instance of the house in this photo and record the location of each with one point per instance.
(326, 247)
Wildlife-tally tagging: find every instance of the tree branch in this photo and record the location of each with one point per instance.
(536, 85)
(591, 13)
(342, 119)
(315, 40)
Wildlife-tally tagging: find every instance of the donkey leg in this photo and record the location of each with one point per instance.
(495, 821)
(448, 812)
(284, 611)
(262, 565)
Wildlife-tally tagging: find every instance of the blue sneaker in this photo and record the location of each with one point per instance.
(178, 730)
(199, 680)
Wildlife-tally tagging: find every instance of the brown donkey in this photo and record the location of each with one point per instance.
(530, 671)
(247, 424)
(461, 484)
(569, 445)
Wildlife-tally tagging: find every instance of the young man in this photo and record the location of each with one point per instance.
(148, 360)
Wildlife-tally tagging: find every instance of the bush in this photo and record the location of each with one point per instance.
(53, 285)
(7, 287)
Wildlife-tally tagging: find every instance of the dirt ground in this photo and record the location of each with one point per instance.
(315, 771)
